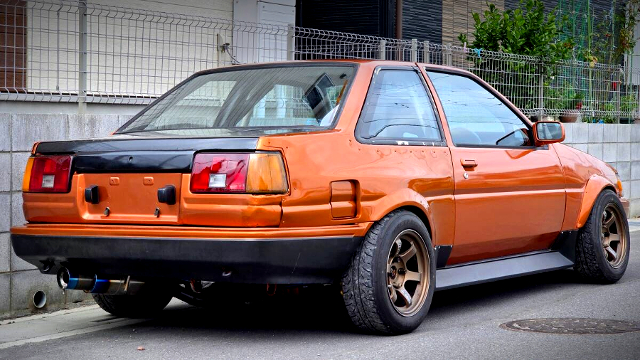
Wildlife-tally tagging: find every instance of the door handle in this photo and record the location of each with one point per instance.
(468, 163)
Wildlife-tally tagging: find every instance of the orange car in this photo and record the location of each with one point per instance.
(392, 179)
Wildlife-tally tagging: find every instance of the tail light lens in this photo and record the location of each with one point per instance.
(47, 174)
(260, 173)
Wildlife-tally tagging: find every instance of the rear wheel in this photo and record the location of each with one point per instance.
(389, 285)
(140, 305)
(602, 249)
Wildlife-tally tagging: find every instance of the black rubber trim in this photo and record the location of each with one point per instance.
(566, 244)
(442, 255)
(500, 268)
(319, 260)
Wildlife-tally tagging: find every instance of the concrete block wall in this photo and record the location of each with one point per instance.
(19, 280)
(618, 145)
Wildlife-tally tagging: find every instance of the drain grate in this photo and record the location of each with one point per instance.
(572, 326)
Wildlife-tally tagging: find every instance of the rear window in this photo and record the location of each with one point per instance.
(283, 97)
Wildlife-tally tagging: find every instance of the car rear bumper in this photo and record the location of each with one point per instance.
(257, 257)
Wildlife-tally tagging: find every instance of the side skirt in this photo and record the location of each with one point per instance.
(560, 256)
(498, 269)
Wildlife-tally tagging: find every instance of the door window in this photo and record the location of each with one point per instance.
(398, 108)
(475, 116)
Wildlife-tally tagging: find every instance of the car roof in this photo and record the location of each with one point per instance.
(360, 62)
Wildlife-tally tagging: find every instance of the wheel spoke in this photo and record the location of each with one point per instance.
(404, 294)
(606, 224)
(393, 294)
(611, 252)
(614, 238)
(398, 245)
(412, 276)
(411, 252)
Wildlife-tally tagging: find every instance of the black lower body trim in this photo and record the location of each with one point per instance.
(442, 255)
(502, 268)
(275, 261)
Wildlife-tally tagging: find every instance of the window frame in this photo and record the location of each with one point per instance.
(401, 141)
(493, 92)
(334, 123)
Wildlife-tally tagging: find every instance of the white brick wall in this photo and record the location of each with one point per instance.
(618, 145)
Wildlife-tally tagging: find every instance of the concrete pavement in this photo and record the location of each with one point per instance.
(462, 323)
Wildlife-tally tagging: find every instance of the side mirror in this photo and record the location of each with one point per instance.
(547, 132)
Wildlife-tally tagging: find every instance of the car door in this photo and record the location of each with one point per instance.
(509, 195)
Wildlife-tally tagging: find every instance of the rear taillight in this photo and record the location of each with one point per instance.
(260, 173)
(47, 174)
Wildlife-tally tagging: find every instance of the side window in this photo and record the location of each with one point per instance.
(475, 116)
(398, 108)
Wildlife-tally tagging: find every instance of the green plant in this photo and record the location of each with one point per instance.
(609, 107)
(629, 104)
(527, 30)
(573, 100)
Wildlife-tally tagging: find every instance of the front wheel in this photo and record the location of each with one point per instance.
(602, 249)
(389, 285)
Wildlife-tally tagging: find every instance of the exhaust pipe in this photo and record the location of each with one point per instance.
(92, 284)
(69, 281)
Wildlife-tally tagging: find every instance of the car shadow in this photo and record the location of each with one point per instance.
(320, 310)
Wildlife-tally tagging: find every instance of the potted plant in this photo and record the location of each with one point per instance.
(629, 107)
(571, 103)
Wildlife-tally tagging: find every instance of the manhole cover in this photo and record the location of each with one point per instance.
(572, 326)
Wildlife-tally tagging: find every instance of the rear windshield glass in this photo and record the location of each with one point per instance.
(289, 97)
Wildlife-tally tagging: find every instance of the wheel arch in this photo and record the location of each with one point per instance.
(592, 190)
(420, 213)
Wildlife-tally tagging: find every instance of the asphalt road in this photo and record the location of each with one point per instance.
(462, 323)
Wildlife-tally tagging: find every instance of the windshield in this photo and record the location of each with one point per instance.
(264, 98)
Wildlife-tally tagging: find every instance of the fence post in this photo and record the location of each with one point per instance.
(414, 50)
(449, 55)
(291, 43)
(426, 55)
(618, 95)
(82, 56)
(541, 92)
(382, 50)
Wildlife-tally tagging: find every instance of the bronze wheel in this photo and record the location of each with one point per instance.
(408, 273)
(614, 239)
(389, 284)
(602, 246)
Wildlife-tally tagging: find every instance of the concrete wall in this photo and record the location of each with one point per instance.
(19, 280)
(617, 144)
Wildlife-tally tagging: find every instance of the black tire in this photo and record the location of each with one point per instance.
(141, 305)
(364, 285)
(591, 261)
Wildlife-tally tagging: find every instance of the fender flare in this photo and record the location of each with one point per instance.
(595, 185)
(401, 199)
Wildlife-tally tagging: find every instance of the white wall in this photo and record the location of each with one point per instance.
(269, 41)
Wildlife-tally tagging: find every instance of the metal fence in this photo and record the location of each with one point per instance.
(74, 51)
